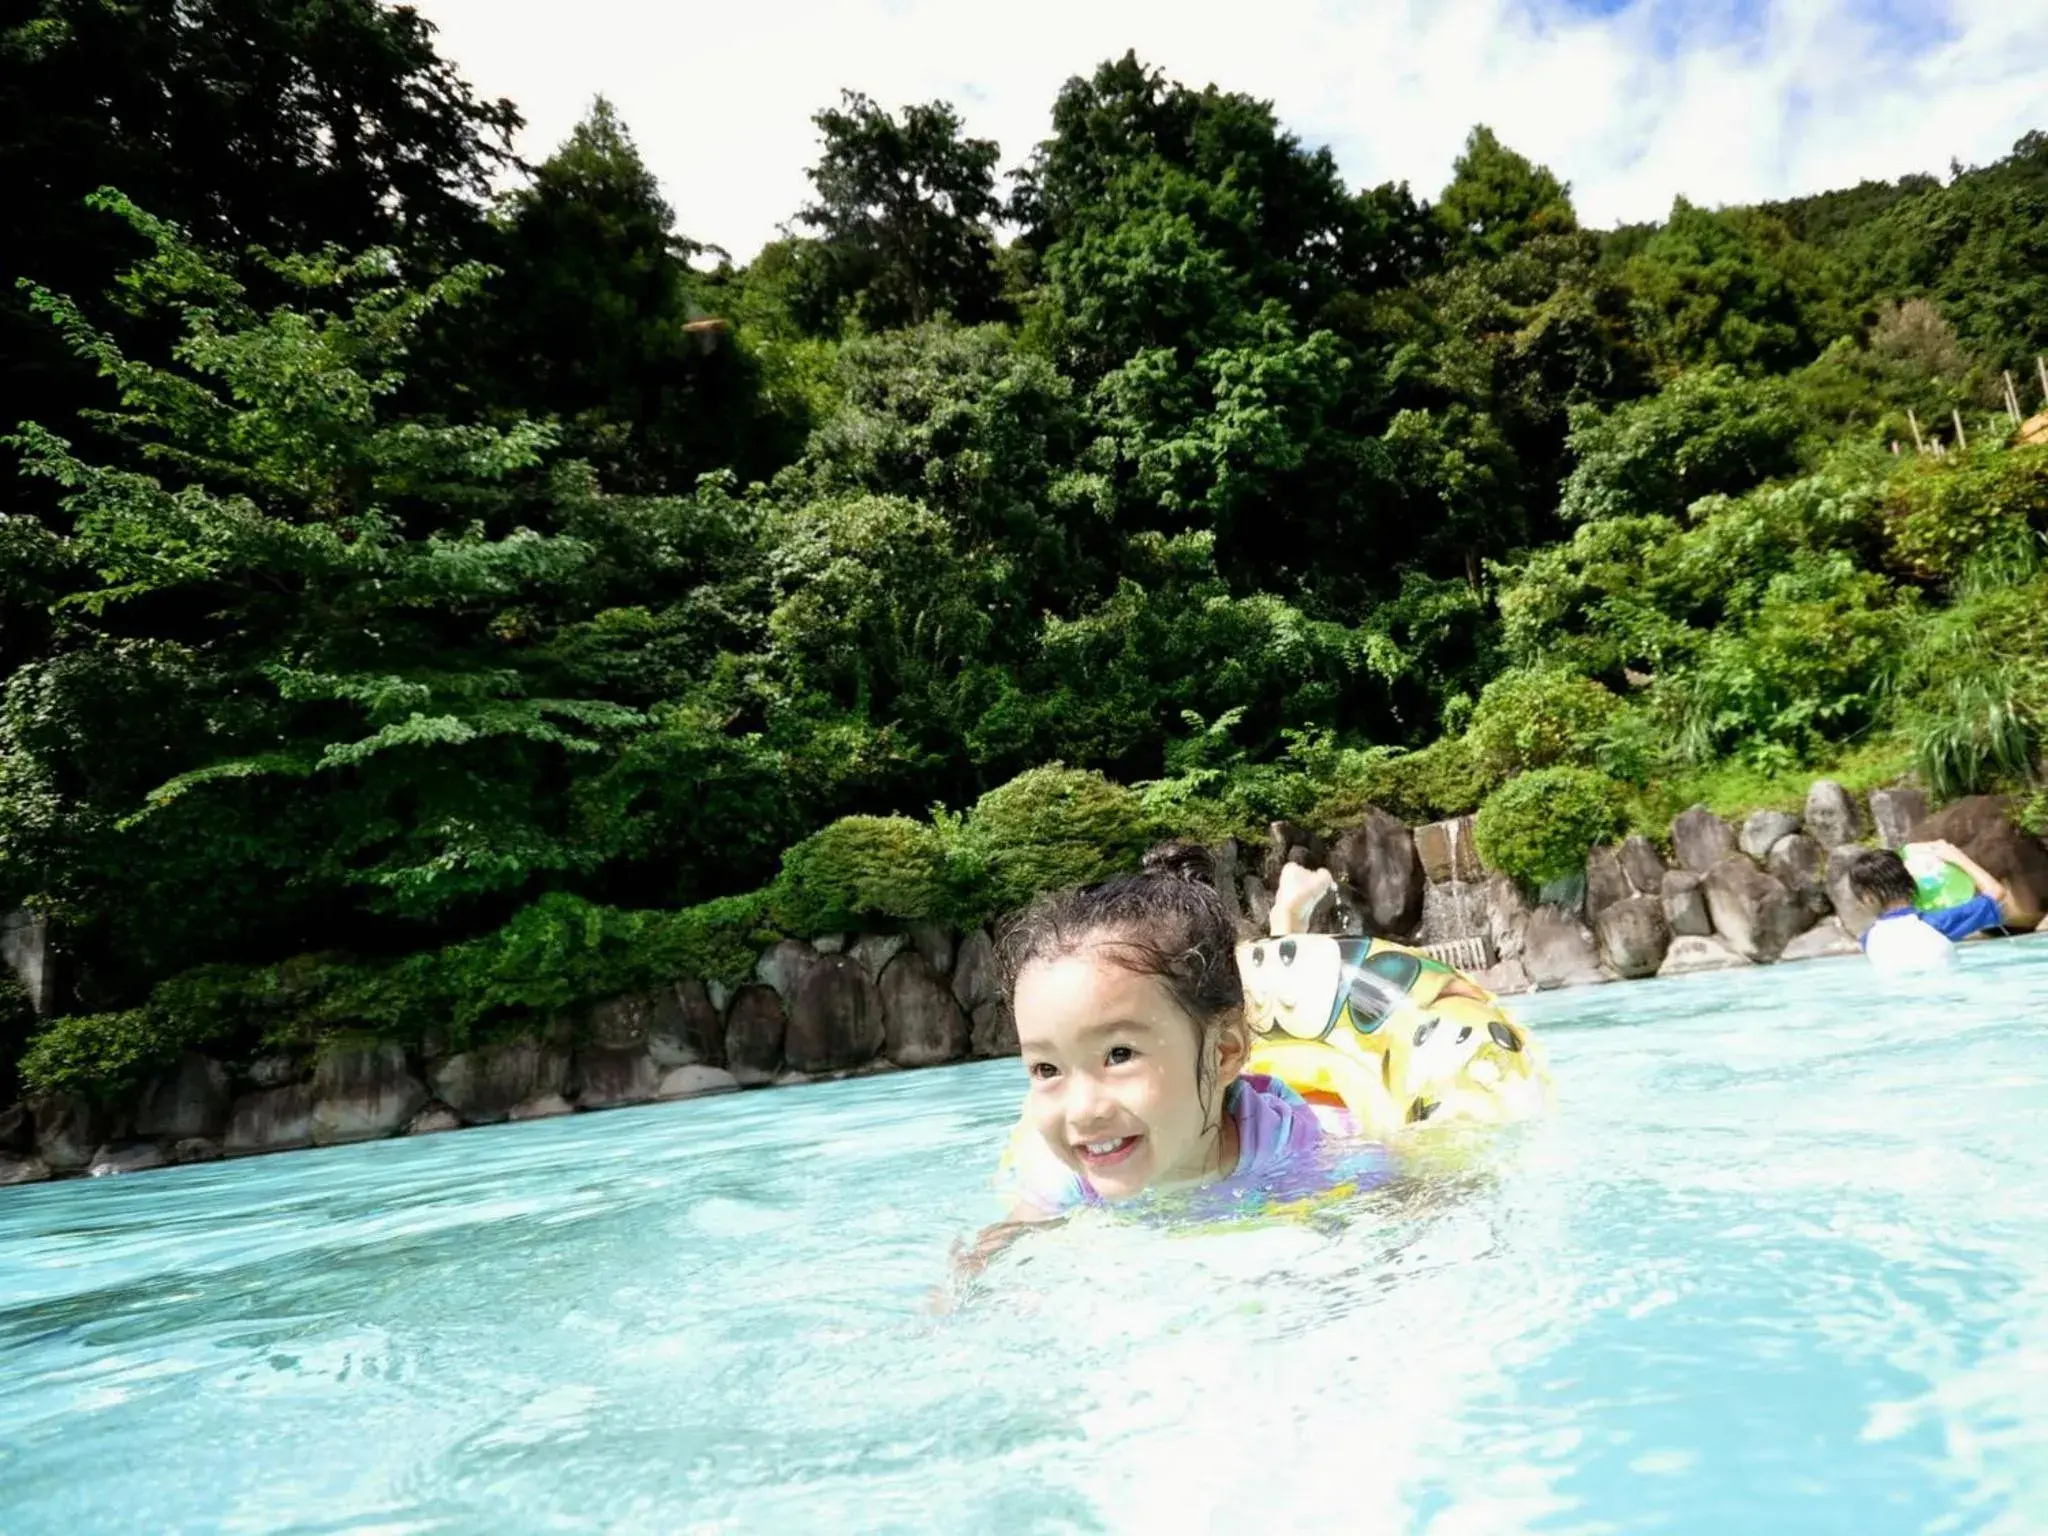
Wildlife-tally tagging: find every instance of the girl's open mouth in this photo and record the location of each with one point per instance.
(1101, 1154)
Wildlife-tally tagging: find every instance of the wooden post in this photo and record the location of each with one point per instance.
(1962, 442)
(1895, 447)
(2012, 400)
(2042, 369)
(1914, 422)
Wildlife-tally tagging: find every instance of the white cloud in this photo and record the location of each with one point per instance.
(1773, 98)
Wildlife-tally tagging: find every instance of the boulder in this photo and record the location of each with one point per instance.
(1701, 839)
(1258, 903)
(1831, 817)
(22, 1170)
(1855, 916)
(612, 1078)
(994, 1031)
(483, 1085)
(432, 1120)
(1606, 881)
(361, 1091)
(1801, 865)
(1227, 864)
(1685, 904)
(1448, 852)
(276, 1071)
(1507, 917)
(272, 1119)
(720, 995)
(619, 1023)
(194, 1149)
(1982, 827)
(829, 943)
(754, 1027)
(695, 1082)
(1763, 830)
(542, 1107)
(71, 1127)
(1504, 978)
(784, 966)
(1894, 813)
(976, 978)
(936, 943)
(1752, 912)
(874, 951)
(1633, 935)
(191, 1099)
(17, 1129)
(1823, 939)
(1643, 865)
(922, 1025)
(1558, 951)
(1377, 860)
(835, 1019)
(1690, 953)
(27, 953)
(686, 1028)
(1287, 843)
(136, 1157)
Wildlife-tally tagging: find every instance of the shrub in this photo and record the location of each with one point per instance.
(98, 1052)
(1539, 718)
(862, 868)
(1439, 780)
(1973, 690)
(1943, 514)
(1538, 826)
(1046, 829)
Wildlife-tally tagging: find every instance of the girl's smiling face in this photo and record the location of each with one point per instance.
(1113, 1060)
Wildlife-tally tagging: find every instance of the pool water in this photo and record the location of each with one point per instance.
(1779, 1263)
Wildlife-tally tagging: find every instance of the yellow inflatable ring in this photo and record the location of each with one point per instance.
(1396, 1038)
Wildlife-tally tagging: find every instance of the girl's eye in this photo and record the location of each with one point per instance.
(1043, 1070)
(1119, 1054)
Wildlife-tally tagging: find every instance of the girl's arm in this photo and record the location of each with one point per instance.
(992, 1240)
(1985, 882)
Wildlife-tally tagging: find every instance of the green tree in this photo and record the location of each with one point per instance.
(286, 123)
(302, 680)
(1499, 201)
(905, 208)
(594, 321)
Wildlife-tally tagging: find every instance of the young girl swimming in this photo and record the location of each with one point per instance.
(1131, 1024)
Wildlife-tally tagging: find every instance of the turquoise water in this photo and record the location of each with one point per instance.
(1779, 1264)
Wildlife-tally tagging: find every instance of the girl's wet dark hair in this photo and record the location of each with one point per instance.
(1168, 921)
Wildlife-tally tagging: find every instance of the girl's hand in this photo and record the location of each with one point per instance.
(1301, 890)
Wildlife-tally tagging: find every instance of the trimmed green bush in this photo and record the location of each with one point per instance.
(863, 869)
(1046, 829)
(1539, 718)
(1538, 826)
(1442, 779)
(98, 1053)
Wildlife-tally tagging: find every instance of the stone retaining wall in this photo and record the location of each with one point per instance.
(1767, 890)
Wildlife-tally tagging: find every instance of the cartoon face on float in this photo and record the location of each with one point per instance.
(1394, 1036)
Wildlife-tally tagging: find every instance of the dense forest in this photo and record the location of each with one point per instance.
(430, 606)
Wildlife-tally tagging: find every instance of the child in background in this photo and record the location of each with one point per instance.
(1905, 939)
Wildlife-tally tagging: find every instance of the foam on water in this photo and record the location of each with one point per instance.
(1780, 1263)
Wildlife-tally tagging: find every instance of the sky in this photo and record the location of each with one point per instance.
(1630, 101)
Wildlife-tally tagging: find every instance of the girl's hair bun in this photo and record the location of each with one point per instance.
(1183, 861)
